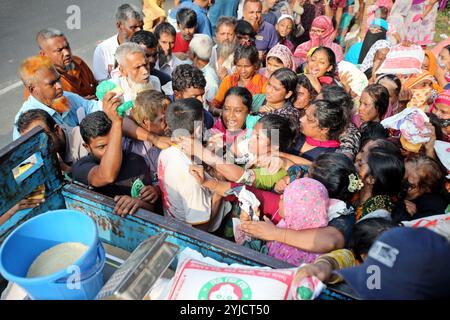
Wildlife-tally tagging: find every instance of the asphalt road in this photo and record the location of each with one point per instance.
(20, 20)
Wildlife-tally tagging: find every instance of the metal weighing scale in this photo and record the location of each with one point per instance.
(137, 275)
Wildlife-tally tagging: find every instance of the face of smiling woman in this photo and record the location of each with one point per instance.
(318, 64)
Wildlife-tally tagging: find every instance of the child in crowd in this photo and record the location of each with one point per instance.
(189, 82)
(187, 24)
(184, 198)
(246, 61)
(284, 28)
(149, 113)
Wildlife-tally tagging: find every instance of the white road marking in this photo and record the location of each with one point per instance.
(10, 87)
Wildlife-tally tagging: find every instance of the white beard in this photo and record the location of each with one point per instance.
(138, 87)
(226, 49)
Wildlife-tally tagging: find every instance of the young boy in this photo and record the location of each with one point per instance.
(165, 33)
(189, 82)
(149, 113)
(107, 168)
(66, 142)
(184, 198)
(187, 24)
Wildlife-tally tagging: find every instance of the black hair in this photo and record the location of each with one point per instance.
(365, 233)
(164, 27)
(28, 117)
(244, 28)
(96, 124)
(331, 59)
(146, 38)
(304, 82)
(372, 131)
(243, 93)
(184, 114)
(187, 76)
(282, 126)
(380, 95)
(288, 79)
(383, 12)
(186, 18)
(437, 124)
(333, 171)
(337, 95)
(394, 79)
(388, 170)
(330, 116)
(248, 52)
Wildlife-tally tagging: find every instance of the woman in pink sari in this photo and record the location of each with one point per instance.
(304, 205)
(322, 35)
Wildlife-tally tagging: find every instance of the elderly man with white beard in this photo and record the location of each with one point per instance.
(226, 43)
(40, 77)
(134, 72)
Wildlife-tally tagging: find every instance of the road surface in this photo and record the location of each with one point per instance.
(20, 20)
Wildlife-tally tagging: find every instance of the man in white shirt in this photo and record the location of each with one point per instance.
(129, 19)
(184, 198)
(133, 73)
(165, 34)
(222, 54)
(199, 53)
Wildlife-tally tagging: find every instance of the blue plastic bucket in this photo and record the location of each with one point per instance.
(81, 281)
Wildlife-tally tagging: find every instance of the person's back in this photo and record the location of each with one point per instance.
(183, 197)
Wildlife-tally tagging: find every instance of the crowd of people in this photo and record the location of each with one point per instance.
(322, 125)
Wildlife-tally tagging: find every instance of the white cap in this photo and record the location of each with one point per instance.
(284, 16)
(201, 45)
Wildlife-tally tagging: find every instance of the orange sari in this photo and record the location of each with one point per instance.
(255, 86)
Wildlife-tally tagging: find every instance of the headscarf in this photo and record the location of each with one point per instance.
(325, 23)
(305, 207)
(416, 79)
(284, 54)
(371, 38)
(368, 60)
(443, 98)
(420, 96)
(324, 40)
(433, 62)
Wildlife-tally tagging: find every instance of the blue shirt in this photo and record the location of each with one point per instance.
(267, 37)
(203, 23)
(353, 53)
(221, 8)
(79, 108)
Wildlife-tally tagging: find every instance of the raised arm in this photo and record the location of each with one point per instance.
(108, 170)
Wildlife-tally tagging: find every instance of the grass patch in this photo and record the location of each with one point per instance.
(442, 24)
